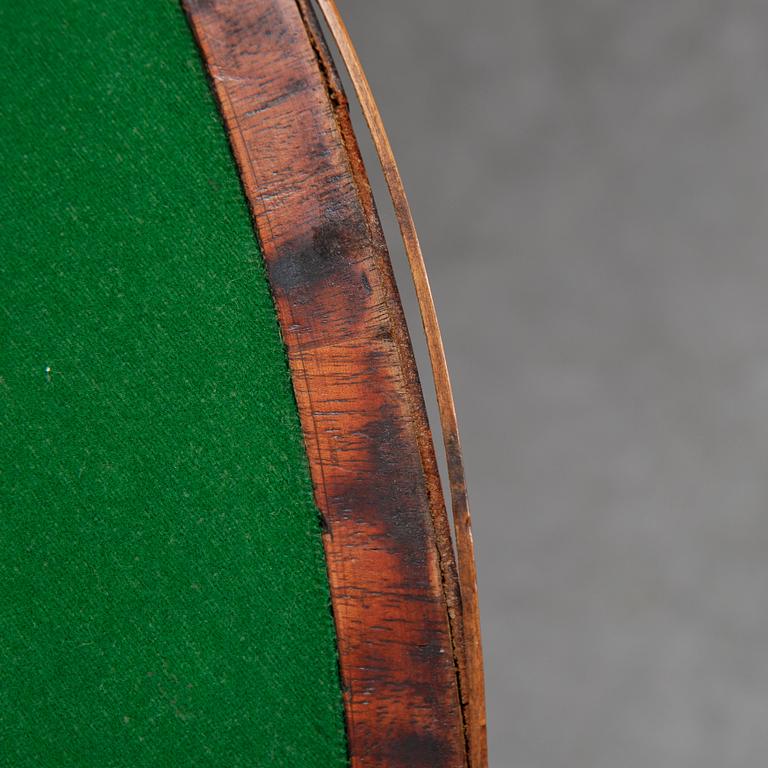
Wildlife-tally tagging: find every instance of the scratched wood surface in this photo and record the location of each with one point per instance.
(386, 537)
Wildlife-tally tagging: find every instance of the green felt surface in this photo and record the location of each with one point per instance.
(163, 593)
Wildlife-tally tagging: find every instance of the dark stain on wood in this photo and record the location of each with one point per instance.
(312, 266)
(385, 533)
(423, 751)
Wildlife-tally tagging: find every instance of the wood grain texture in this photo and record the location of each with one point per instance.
(470, 664)
(392, 577)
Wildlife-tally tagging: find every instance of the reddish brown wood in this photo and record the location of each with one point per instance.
(386, 537)
(471, 677)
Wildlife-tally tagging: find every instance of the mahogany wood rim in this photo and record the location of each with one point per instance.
(471, 675)
(393, 580)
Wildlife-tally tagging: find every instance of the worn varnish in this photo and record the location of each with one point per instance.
(470, 663)
(392, 578)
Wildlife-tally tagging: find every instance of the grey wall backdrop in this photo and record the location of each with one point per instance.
(590, 179)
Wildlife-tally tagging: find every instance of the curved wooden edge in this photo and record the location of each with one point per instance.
(390, 562)
(471, 675)
(412, 390)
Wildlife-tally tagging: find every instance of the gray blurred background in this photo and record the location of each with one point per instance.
(590, 180)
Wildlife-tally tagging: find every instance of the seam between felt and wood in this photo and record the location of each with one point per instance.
(236, 137)
(409, 752)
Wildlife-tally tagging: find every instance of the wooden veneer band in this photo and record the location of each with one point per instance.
(472, 676)
(358, 397)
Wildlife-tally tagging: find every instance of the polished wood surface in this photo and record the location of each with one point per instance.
(471, 675)
(388, 549)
